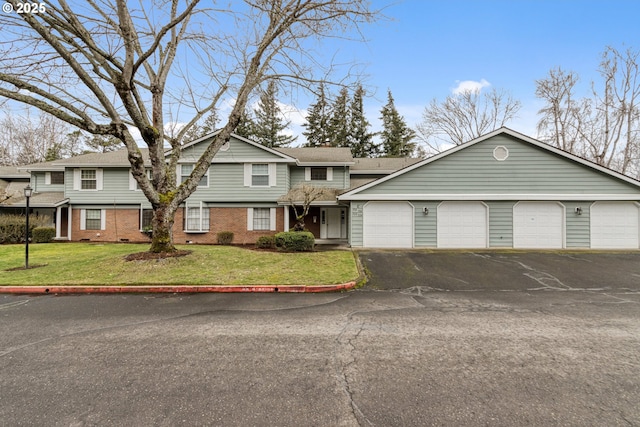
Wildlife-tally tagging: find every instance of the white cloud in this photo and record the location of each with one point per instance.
(470, 86)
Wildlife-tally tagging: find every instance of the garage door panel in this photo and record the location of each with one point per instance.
(614, 225)
(388, 225)
(462, 225)
(538, 225)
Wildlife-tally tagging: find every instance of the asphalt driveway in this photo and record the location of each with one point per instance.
(502, 270)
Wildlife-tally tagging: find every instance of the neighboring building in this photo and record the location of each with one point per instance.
(503, 190)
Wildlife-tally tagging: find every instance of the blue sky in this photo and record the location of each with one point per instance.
(428, 48)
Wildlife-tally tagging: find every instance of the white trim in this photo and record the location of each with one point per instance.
(493, 196)
(272, 219)
(132, 182)
(83, 219)
(286, 218)
(273, 174)
(329, 174)
(307, 174)
(249, 219)
(47, 178)
(103, 219)
(247, 174)
(99, 180)
(76, 179)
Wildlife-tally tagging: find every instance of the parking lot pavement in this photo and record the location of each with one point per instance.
(502, 270)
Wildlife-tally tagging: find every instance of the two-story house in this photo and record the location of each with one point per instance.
(501, 190)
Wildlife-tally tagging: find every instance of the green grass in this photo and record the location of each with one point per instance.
(104, 264)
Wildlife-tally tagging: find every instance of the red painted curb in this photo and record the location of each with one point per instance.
(172, 289)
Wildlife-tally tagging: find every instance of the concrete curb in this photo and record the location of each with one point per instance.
(173, 289)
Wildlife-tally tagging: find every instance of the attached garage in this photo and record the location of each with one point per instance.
(538, 225)
(462, 225)
(388, 225)
(614, 225)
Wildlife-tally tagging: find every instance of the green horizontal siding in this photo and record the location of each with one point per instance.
(578, 233)
(355, 218)
(38, 182)
(425, 226)
(528, 169)
(238, 151)
(500, 224)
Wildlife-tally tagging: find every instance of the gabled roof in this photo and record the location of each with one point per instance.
(112, 158)
(240, 138)
(319, 156)
(12, 172)
(353, 194)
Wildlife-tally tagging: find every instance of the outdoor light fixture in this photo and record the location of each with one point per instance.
(578, 210)
(425, 210)
(28, 191)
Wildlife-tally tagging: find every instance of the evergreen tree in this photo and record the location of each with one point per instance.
(207, 127)
(339, 123)
(360, 139)
(396, 135)
(246, 126)
(269, 122)
(317, 124)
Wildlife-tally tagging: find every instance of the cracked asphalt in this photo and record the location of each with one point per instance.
(435, 338)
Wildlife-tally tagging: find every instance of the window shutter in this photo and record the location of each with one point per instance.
(272, 219)
(83, 219)
(247, 174)
(307, 174)
(273, 174)
(103, 219)
(250, 219)
(98, 179)
(76, 179)
(132, 181)
(330, 174)
(47, 178)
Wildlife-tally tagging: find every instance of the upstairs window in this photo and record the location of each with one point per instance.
(260, 175)
(57, 178)
(185, 172)
(88, 179)
(318, 174)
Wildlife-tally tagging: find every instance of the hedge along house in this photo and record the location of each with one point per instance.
(502, 190)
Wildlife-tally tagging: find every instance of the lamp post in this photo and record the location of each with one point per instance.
(27, 194)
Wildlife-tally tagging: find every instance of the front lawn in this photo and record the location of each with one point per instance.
(104, 264)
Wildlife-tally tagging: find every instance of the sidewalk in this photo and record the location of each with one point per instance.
(173, 289)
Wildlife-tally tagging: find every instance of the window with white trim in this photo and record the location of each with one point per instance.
(88, 179)
(93, 219)
(261, 218)
(146, 219)
(185, 172)
(196, 218)
(260, 175)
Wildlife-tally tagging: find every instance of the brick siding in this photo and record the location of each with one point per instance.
(123, 225)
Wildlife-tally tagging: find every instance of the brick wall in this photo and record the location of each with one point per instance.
(123, 225)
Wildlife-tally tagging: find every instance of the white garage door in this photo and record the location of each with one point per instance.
(538, 225)
(388, 225)
(614, 225)
(462, 225)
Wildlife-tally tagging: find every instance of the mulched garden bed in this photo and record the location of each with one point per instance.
(143, 256)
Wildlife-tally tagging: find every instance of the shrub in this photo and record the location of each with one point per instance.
(225, 237)
(266, 242)
(12, 227)
(43, 234)
(295, 241)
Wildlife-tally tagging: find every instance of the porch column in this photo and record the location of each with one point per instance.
(286, 218)
(70, 216)
(58, 215)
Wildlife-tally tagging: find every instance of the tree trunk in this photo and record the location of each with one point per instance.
(162, 238)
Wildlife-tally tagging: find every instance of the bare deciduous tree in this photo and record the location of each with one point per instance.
(605, 127)
(108, 67)
(301, 197)
(465, 116)
(26, 138)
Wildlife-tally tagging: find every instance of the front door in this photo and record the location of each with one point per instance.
(331, 223)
